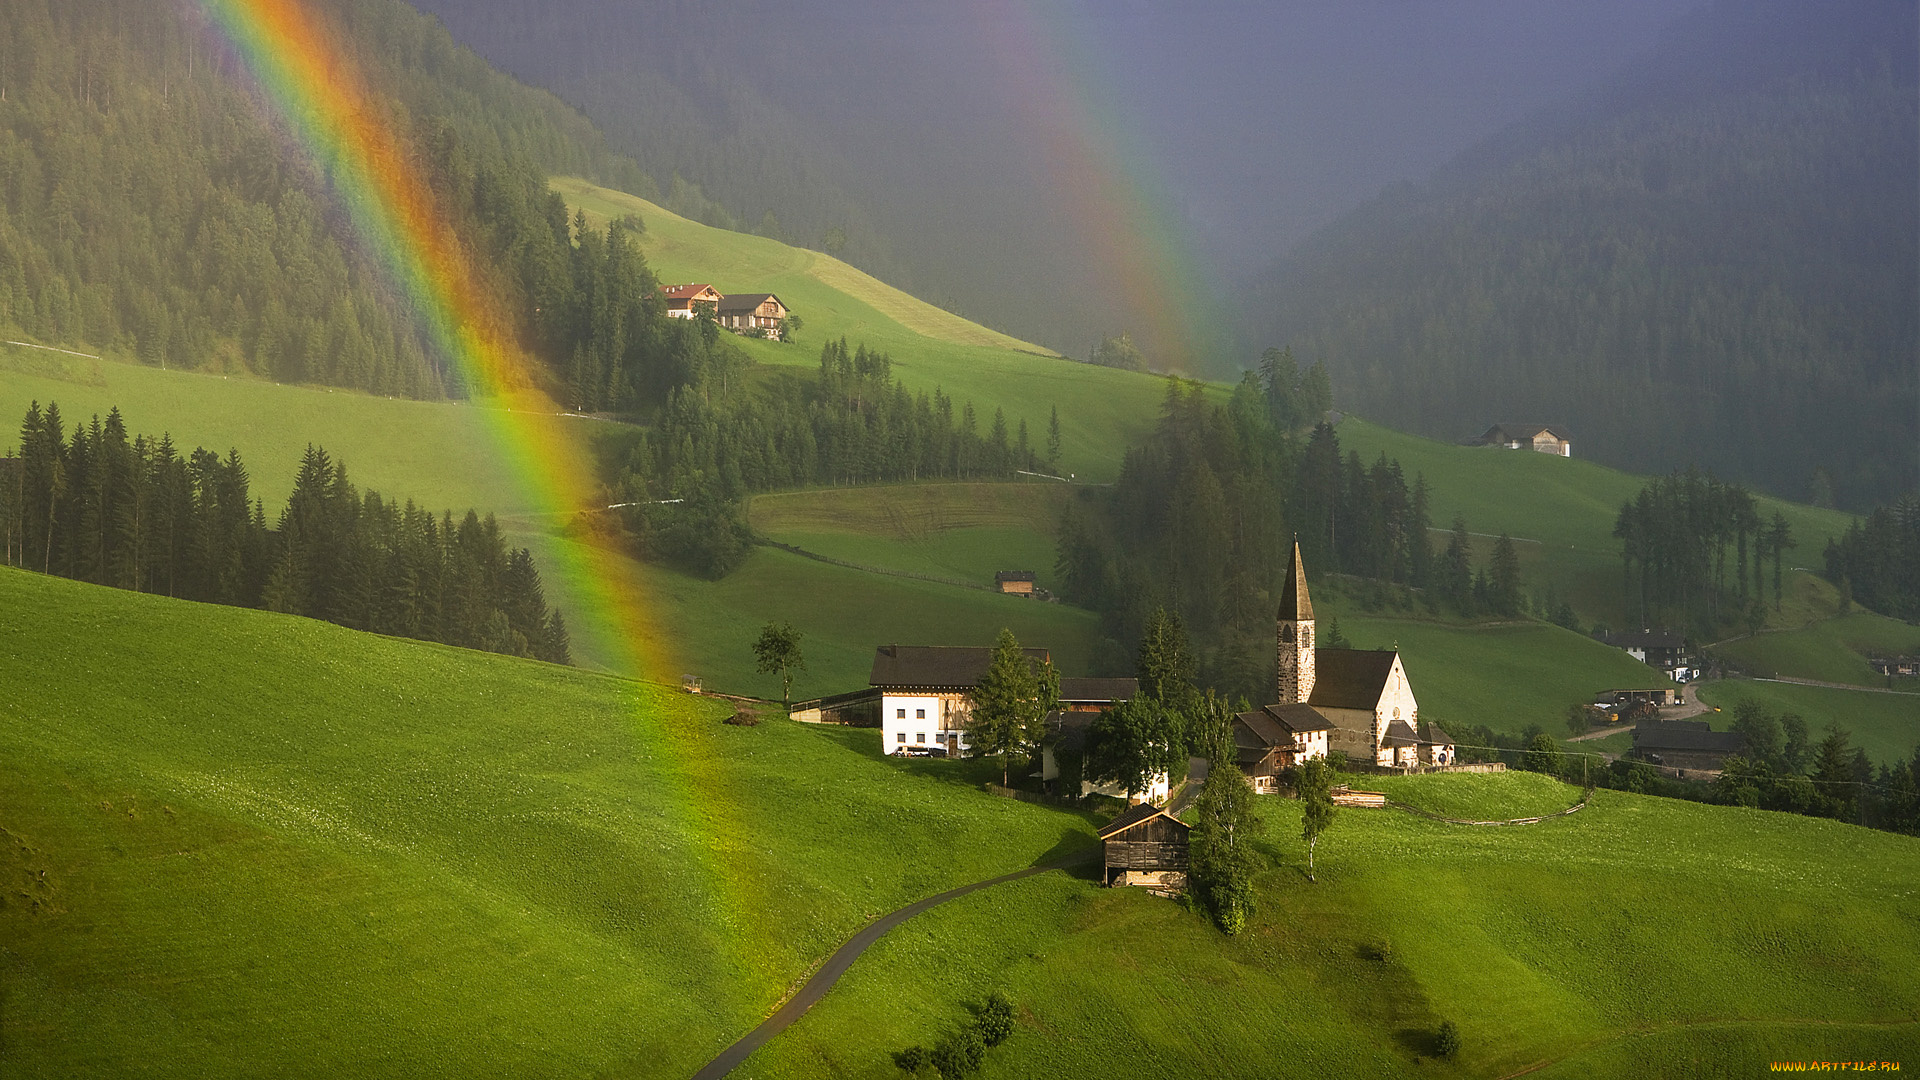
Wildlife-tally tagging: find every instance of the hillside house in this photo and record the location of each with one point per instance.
(1147, 846)
(1274, 738)
(758, 314)
(1538, 437)
(1658, 648)
(1014, 582)
(1363, 694)
(1889, 666)
(686, 301)
(1685, 744)
(1082, 700)
(926, 695)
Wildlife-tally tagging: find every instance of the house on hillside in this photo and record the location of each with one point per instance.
(1274, 738)
(1538, 437)
(756, 314)
(1082, 700)
(1014, 582)
(1147, 846)
(686, 301)
(1685, 744)
(926, 695)
(1659, 648)
(1363, 694)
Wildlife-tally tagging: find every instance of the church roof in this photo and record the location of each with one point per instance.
(1350, 678)
(1399, 734)
(1295, 604)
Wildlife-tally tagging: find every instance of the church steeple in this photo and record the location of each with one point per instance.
(1294, 634)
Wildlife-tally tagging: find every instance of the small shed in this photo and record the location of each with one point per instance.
(1146, 845)
(1017, 582)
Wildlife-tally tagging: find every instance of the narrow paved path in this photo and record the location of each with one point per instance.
(843, 958)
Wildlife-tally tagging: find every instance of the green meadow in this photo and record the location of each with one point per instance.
(1560, 511)
(1832, 650)
(241, 844)
(1102, 410)
(1638, 937)
(1885, 725)
(237, 843)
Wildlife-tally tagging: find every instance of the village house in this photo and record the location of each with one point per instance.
(754, 313)
(686, 301)
(926, 695)
(1538, 437)
(1363, 695)
(1145, 845)
(1686, 744)
(1274, 738)
(1014, 582)
(1082, 700)
(1658, 648)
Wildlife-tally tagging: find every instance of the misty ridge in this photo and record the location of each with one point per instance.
(1693, 243)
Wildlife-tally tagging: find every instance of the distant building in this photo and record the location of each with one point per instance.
(1686, 744)
(1885, 665)
(1274, 738)
(1081, 702)
(755, 313)
(1147, 846)
(926, 695)
(1538, 437)
(685, 301)
(1015, 582)
(1659, 648)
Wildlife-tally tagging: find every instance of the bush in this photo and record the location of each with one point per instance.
(912, 1059)
(744, 717)
(960, 1054)
(1447, 1043)
(996, 1019)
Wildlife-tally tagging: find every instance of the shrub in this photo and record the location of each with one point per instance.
(1447, 1044)
(912, 1059)
(996, 1019)
(960, 1054)
(744, 717)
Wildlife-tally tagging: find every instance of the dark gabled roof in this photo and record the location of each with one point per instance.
(1014, 575)
(1276, 725)
(1686, 735)
(1349, 678)
(1295, 604)
(1399, 734)
(1657, 638)
(1431, 735)
(1503, 432)
(949, 666)
(736, 303)
(1135, 815)
(686, 292)
(1087, 689)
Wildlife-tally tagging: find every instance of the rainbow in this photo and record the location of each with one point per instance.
(1101, 173)
(317, 89)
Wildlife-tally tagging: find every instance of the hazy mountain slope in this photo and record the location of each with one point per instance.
(1710, 260)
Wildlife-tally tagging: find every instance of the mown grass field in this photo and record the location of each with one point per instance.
(240, 844)
(1102, 410)
(1887, 726)
(1639, 937)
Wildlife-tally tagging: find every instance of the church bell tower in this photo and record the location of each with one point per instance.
(1295, 633)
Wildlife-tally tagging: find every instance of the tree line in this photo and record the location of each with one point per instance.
(1204, 516)
(1694, 551)
(149, 206)
(851, 422)
(1877, 562)
(132, 512)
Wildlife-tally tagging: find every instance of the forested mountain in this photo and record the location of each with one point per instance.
(151, 204)
(1711, 260)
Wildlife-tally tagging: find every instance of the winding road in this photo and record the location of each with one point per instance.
(843, 958)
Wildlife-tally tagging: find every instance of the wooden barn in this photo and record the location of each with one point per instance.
(754, 313)
(1147, 846)
(1539, 437)
(1017, 582)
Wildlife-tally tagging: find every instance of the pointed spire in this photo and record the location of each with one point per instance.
(1295, 604)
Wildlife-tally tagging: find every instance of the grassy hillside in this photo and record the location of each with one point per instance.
(1886, 726)
(1835, 650)
(1560, 511)
(1638, 937)
(1102, 410)
(237, 843)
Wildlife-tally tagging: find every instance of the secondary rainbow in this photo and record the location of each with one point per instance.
(330, 113)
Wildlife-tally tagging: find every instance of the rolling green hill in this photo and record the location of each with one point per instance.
(241, 844)
(1102, 410)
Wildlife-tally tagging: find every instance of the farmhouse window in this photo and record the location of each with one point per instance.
(900, 737)
(919, 714)
(899, 714)
(920, 736)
